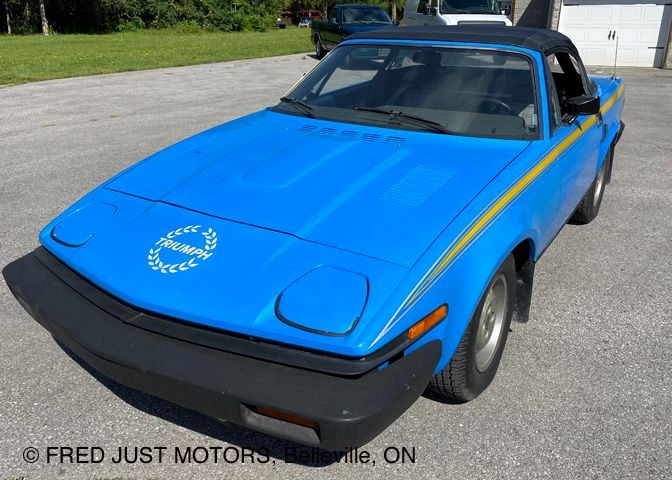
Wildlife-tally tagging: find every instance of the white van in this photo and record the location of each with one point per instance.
(454, 12)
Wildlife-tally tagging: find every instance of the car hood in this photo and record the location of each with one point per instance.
(221, 274)
(383, 193)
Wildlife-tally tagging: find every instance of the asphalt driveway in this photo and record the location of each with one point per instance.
(584, 389)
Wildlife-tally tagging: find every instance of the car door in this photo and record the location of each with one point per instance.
(333, 28)
(577, 139)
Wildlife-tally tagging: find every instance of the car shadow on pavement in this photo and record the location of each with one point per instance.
(237, 436)
(432, 395)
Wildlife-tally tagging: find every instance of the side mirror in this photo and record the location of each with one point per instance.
(583, 105)
(433, 11)
(333, 20)
(395, 22)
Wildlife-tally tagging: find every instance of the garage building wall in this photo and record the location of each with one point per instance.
(531, 13)
(535, 13)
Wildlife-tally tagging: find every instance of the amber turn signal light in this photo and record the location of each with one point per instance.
(287, 417)
(424, 325)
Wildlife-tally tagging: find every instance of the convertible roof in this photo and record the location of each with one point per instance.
(538, 39)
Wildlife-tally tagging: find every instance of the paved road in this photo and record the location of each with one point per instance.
(584, 390)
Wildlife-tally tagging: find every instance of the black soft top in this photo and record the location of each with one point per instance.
(539, 39)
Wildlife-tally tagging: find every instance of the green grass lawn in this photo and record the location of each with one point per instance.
(35, 57)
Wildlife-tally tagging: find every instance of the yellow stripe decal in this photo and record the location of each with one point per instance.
(503, 201)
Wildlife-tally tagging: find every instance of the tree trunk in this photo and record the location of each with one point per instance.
(43, 17)
(393, 7)
(9, 24)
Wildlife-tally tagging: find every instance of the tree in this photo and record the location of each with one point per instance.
(43, 17)
(9, 25)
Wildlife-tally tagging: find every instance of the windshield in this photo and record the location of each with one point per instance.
(365, 15)
(470, 6)
(472, 92)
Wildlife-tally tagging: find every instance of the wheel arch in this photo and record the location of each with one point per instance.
(523, 256)
(523, 249)
(523, 252)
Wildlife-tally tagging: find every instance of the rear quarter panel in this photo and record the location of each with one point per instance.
(612, 99)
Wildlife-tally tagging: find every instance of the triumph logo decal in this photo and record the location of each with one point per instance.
(181, 255)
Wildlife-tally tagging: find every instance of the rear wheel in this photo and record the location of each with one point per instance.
(590, 203)
(477, 357)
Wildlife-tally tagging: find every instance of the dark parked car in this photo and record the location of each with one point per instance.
(344, 20)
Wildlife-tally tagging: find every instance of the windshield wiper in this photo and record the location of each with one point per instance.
(304, 107)
(396, 116)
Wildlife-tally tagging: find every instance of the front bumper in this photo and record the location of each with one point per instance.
(349, 410)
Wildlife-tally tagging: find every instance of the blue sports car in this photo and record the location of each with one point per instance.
(310, 269)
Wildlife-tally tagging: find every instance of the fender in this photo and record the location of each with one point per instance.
(611, 112)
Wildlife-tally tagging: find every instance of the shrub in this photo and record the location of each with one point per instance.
(132, 25)
(261, 23)
(233, 22)
(188, 26)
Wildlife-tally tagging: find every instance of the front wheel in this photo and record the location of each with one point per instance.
(477, 357)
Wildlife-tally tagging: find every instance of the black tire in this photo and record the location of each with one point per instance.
(462, 380)
(320, 52)
(589, 206)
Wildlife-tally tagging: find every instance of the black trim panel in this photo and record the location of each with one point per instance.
(349, 411)
(219, 339)
(618, 135)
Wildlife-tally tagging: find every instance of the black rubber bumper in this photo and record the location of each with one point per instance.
(348, 411)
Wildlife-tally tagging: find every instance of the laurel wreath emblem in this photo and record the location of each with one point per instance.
(155, 262)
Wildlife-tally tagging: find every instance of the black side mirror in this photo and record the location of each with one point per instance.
(583, 105)
(433, 11)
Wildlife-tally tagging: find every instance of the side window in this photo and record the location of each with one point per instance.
(567, 78)
(422, 6)
(556, 116)
(579, 71)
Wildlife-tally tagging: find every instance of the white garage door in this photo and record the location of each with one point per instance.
(593, 26)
